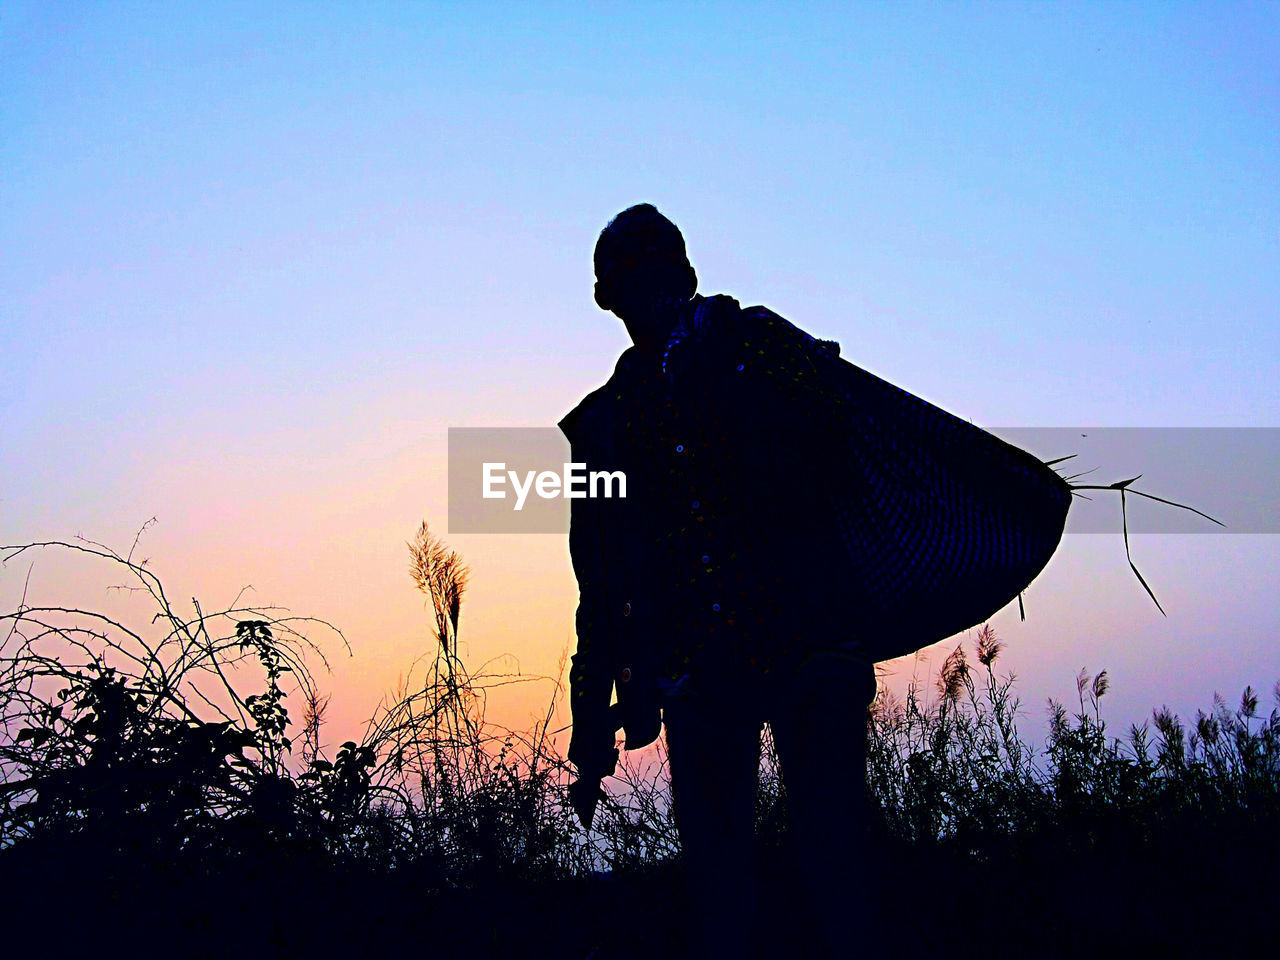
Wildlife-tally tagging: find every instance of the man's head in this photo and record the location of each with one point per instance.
(641, 270)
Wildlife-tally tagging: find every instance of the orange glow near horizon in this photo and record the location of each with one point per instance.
(331, 543)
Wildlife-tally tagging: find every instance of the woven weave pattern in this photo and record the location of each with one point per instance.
(944, 523)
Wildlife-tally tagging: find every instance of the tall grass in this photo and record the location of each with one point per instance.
(957, 772)
(142, 741)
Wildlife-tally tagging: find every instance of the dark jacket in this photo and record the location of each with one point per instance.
(750, 373)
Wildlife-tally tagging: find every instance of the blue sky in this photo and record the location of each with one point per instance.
(276, 251)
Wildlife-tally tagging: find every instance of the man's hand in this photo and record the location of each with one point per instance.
(705, 342)
(715, 311)
(584, 795)
(592, 751)
(586, 791)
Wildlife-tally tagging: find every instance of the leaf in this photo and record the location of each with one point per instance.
(1125, 521)
(1183, 506)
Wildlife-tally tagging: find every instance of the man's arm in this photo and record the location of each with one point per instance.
(592, 744)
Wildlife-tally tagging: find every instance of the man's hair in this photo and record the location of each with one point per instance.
(638, 232)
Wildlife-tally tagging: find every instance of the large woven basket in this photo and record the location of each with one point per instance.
(944, 523)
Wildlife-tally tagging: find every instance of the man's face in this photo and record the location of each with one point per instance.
(643, 288)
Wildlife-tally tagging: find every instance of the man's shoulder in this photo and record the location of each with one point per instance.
(721, 321)
(752, 323)
(597, 401)
(766, 324)
(760, 311)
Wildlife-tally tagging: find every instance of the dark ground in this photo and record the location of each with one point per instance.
(1207, 895)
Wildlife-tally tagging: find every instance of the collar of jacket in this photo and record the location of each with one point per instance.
(626, 368)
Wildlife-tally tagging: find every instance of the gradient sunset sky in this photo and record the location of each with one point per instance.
(256, 259)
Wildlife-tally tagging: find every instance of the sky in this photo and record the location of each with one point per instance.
(256, 260)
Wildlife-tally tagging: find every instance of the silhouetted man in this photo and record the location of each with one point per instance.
(712, 594)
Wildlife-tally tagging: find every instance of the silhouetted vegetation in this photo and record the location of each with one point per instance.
(144, 783)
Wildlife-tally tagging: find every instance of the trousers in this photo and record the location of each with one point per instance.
(818, 716)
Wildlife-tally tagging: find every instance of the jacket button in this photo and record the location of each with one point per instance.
(626, 609)
(626, 674)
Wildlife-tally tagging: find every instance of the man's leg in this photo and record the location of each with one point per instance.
(820, 727)
(713, 748)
